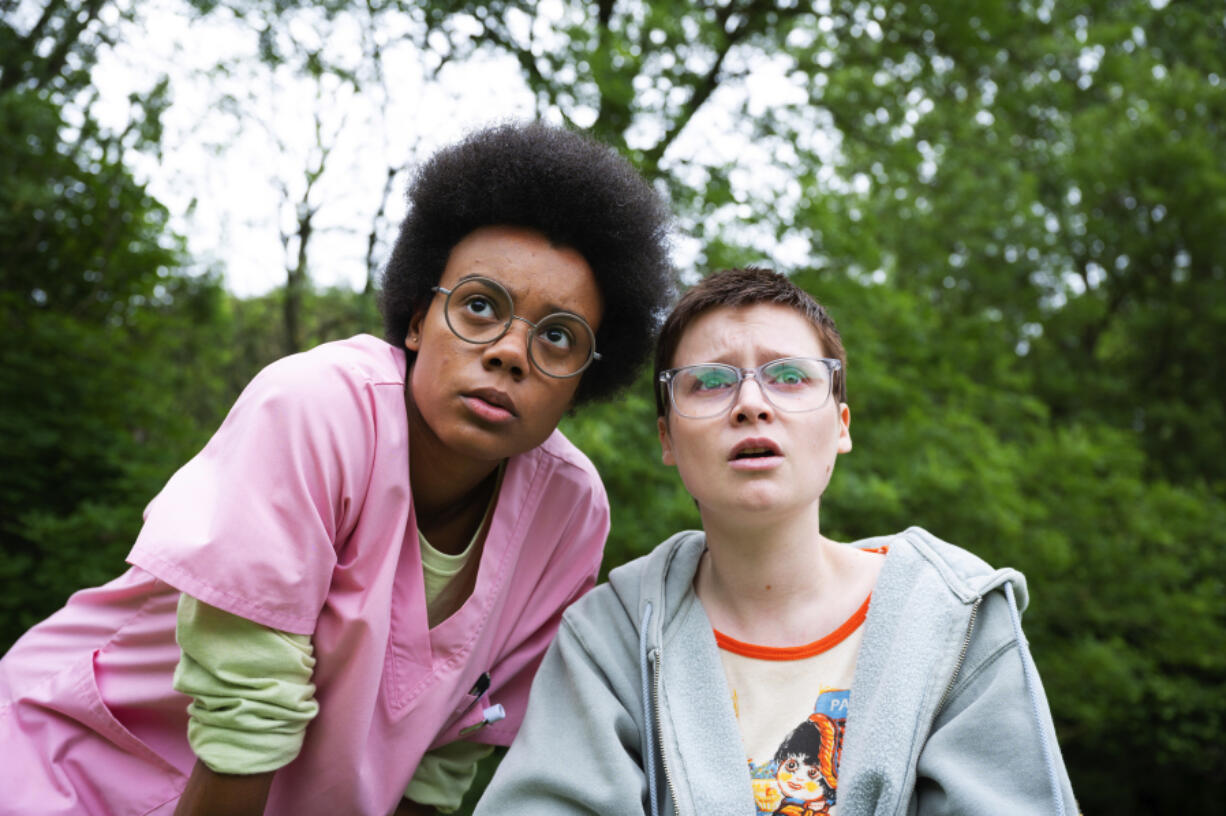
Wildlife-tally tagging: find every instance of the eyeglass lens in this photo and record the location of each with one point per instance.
(480, 311)
(790, 383)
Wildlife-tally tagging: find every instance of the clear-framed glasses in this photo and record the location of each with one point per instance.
(479, 310)
(793, 384)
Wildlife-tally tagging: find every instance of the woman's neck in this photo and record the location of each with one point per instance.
(780, 583)
(450, 493)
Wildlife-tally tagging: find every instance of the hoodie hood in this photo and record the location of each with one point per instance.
(664, 578)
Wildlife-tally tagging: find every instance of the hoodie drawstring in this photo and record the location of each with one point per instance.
(1030, 676)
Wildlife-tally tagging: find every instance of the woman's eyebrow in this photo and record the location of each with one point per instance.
(728, 357)
(550, 307)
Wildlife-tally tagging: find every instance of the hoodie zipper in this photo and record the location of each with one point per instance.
(657, 659)
(966, 644)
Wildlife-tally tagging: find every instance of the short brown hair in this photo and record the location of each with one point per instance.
(745, 287)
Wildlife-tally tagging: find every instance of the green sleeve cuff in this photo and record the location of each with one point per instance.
(445, 774)
(251, 689)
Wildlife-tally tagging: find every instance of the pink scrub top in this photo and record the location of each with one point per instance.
(298, 515)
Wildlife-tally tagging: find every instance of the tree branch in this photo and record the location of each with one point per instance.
(750, 20)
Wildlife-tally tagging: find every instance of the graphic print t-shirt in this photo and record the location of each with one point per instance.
(791, 706)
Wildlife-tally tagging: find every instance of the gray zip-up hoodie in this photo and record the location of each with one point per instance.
(630, 712)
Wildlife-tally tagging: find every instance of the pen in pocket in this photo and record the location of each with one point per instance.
(490, 714)
(477, 692)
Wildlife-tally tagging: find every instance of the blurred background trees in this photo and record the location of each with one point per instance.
(1013, 208)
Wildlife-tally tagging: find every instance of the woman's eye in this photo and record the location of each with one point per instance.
(711, 384)
(557, 336)
(713, 380)
(480, 306)
(788, 376)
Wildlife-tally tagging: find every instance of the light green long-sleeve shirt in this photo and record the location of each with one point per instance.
(252, 699)
(252, 695)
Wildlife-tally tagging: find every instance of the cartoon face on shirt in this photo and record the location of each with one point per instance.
(800, 779)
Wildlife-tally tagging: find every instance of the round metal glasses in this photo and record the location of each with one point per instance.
(480, 311)
(793, 384)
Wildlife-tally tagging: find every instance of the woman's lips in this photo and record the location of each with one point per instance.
(491, 405)
(755, 454)
(756, 463)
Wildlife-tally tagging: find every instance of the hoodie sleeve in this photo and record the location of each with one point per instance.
(986, 751)
(578, 750)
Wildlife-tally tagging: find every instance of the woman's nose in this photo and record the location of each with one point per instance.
(751, 402)
(510, 351)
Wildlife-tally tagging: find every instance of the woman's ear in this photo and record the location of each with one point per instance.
(844, 428)
(412, 338)
(666, 442)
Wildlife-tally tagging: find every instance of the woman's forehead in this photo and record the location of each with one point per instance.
(535, 272)
(742, 334)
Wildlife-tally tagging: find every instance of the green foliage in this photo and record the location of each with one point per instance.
(99, 337)
(96, 417)
(648, 502)
(1061, 168)
(72, 217)
(1013, 208)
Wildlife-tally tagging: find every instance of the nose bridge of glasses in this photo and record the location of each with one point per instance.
(532, 327)
(739, 396)
(519, 340)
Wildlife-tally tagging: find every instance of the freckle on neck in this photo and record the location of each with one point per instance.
(768, 586)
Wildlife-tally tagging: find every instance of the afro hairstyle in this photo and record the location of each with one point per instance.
(578, 193)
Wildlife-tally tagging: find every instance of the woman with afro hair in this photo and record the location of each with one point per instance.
(339, 604)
